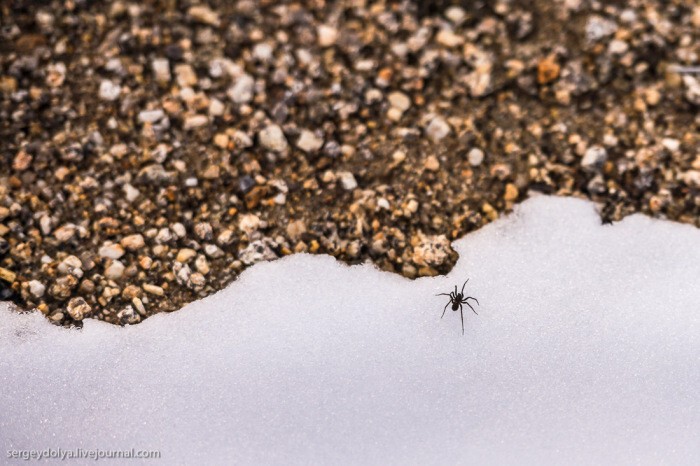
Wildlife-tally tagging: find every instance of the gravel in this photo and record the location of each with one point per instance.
(372, 129)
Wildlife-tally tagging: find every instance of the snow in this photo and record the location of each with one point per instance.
(585, 351)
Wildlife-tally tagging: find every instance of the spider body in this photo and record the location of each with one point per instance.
(456, 300)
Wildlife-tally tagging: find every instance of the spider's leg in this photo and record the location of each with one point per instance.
(455, 290)
(445, 310)
(465, 284)
(471, 297)
(444, 294)
(470, 307)
(461, 314)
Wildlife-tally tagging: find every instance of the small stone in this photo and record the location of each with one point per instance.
(448, 38)
(272, 138)
(248, 223)
(78, 309)
(128, 315)
(594, 157)
(109, 91)
(151, 116)
(185, 254)
(547, 70)
(111, 251)
(71, 265)
(347, 180)
(475, 157)
(226, 237)
(309, 142)
(511, 192)
(216, 108)
(179, 229)
(195, 121)
(7, 275)
(203, 14)
(163, 236)
(432, 163)
(196, 280)
(204, 231)
(692, 89)
(138, 305)
(153, 289)
(130, 193)
(431, 251)
(62, 234)
(327, 35)
(399, 100)
(258, 251)
(295, 229)
(437, 129)
(115, 270)
(161, 70)
(36, 288)
(598, 28)
(202, 265)
(243, 90)
(133, 242)
(398, 156)
(691, 178)
(185, 75)
(22, 161)
(672, 145)
(263, 52)
(213, 251)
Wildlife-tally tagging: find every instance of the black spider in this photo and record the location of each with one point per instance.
(457, 299)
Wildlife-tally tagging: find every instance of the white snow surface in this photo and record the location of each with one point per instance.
(585, 351)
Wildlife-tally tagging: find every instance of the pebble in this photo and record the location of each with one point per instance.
(161, 70)
(327, 35)
(78, 308)
(598, 28)
(130, 193)
(203, 14)
(213, 251)
(347, 180)
(547, 70)
(22, 161)
(153, 289)
(475, 157)
(204, 231)
(437, 129)
(185, 75)
(195, 121)
(151, 116)
(109, 91)
(431, 251)
(272, 138)
(133, 242)
(399, 100)
(71, 265)
(432, 163)
(243, 89)
(257, 251)
(36, 288)
(111, 251)
(115, 270)
(309, 142)
(673, 145)
(248, 223)
(7, 275)
(201, 265)
(594, 157)
(185, 254)
(511, 192)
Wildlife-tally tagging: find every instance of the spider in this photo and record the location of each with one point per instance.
(457, 299)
